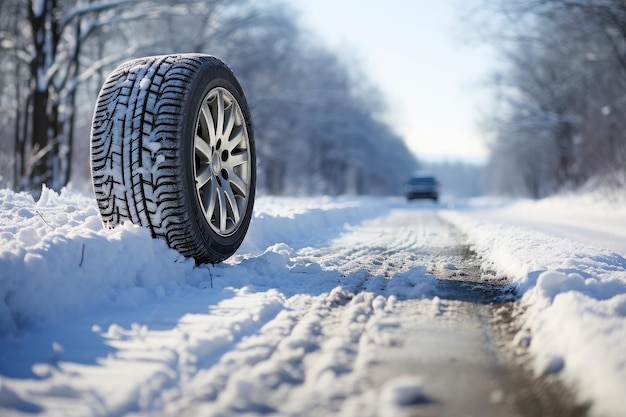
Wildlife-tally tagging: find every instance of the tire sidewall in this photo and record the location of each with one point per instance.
(209, 77)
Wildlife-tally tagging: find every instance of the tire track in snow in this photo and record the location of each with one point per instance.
(393, 244)
(312, 356)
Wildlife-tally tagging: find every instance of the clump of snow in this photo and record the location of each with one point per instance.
(144, 84)
(522, 338)
(552, 283)
(402, 391)
(437, 306)
(551, 365)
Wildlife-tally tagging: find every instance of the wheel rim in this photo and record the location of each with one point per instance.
(222, 168)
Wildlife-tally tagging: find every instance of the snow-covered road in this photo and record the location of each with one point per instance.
(350, 306)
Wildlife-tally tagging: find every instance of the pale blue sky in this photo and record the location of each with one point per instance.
(413, 50)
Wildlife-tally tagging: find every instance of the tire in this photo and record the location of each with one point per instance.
(172, 149)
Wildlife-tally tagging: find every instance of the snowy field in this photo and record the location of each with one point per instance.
(97, 322)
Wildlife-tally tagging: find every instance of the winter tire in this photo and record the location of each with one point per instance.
(172, 149)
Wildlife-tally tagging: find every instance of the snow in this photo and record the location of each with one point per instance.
(38, 8)
(566, 257)
(404, 390)
(97, 321)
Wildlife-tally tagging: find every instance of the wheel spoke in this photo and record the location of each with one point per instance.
(203, 149)
(207, 123)
(214, 196)
(229, 115)
(238, 159)
(232, 202)
(238, 183)
(219, 128)
(203, 178)
(236, 137)
(223, 212)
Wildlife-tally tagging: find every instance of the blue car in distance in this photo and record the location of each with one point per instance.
(422, 186)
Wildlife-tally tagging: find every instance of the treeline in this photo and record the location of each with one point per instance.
(559, 117)
(458, 179)
(317, 119)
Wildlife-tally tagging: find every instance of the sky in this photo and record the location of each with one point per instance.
(414, 52)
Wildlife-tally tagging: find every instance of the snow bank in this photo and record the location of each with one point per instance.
(56, 259)
(573, 289)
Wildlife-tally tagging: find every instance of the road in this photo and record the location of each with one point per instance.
(391, 340)
(458, 340)
(390, 318)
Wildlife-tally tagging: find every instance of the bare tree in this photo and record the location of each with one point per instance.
(49, 44)
(560, 91)
(316, 123)
(317, 130)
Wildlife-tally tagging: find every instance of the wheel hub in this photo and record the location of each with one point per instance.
(216, 164)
